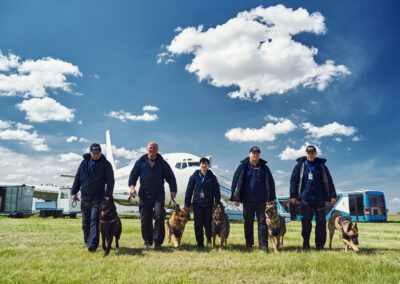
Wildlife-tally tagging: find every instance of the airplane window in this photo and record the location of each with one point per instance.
(194, 164)
(184, 165)
(178, 165)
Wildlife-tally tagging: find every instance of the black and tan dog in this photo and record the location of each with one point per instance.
(348, 231)
(176, 225)
(220, 226)
(110, 225)
(276, 225)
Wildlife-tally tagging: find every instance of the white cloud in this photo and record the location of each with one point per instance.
(331, 129)
(4, 124)
(33, 78)
(22, 168)
(8, 62)
(128, 154)
(72, 139)
(338, 139)
(150, 108)
(71, 159)
(265, 133)
(80, 122)
(356, 138)
(124, 116)
(255, 52)
(45, 109)
(32, 139)
(22, 126)
(292, 154)
(395, 200)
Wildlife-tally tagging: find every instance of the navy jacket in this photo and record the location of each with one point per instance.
(323, 181)
(238, 181)
(209, 185)
(152, 179)
(93, 185)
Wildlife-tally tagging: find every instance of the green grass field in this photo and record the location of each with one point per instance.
(36, 250)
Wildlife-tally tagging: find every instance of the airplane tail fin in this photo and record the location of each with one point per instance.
(110, 156)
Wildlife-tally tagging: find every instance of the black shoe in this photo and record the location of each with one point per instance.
(157, 247)
(147, 246)
(249, 247)
(319, 248)
(92, 249)
(200, 246)
(265, 249)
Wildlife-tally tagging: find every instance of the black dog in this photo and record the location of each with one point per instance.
(110, 225)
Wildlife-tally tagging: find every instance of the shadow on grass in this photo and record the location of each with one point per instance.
(130, 251)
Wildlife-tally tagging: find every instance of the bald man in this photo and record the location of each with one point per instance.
(153, 171)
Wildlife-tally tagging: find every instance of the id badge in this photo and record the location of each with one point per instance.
(202, 194)
(310, 176)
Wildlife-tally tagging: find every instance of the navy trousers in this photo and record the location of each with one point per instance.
(249, 210)
(202, 219)
(149, 208)
(308, 209)
(90, 223)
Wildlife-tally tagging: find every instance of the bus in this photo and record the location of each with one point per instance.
(360, 205)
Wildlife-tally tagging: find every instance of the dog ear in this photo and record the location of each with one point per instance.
(355, 226)
(349, 227)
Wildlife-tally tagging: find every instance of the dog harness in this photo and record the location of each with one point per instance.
(107, 222)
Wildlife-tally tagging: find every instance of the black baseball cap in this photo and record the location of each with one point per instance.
(311, 149)
(95, 148)
(254, 149)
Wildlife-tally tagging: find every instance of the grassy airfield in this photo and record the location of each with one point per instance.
(37, 250)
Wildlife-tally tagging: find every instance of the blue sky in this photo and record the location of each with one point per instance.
(205, 77)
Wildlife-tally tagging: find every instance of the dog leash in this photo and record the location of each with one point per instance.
(172, 201)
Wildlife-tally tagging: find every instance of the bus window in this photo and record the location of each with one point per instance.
(178, 165)
(356, 205)
(376, 204)
(194, 164)
(285, 204)
(184, 165)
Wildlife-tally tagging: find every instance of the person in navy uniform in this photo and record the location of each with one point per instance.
(153, 170)
(312, 185)
(203, 186)
(254, 186)
(95, 180)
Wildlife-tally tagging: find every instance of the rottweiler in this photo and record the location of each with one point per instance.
(110, 225)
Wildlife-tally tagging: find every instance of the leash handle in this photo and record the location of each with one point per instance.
(74, 203)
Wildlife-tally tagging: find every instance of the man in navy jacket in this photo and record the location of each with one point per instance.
(203, 186)
(311, 184)
(153, 170)
(254, 186)
(95, 180)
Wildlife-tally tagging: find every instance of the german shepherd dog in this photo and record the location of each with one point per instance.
(348, 231)
(276, 225)
(220, 226)
(176, 225)
(110, 225)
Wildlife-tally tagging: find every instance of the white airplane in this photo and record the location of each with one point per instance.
(183, 165)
